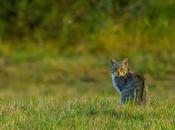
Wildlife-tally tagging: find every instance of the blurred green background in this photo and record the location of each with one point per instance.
(63, 47)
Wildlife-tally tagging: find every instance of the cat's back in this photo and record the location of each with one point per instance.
(135, 78)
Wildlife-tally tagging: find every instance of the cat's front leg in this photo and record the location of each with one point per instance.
(123, 99)
(121, 104)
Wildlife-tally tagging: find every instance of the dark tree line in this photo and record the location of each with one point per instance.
(45, 19)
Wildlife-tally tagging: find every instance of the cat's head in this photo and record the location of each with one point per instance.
(120, 68)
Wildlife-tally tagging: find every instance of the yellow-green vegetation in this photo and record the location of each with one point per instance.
(54, 63)
(77, 93)
(85, 113)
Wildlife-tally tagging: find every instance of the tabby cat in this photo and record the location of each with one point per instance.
(130, 85)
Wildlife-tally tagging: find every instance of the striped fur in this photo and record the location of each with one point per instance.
(131, 86)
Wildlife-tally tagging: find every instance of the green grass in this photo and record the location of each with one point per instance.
(65, 83)
(77, 93)
(85, 113)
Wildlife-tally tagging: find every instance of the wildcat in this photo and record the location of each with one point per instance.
(130, 85)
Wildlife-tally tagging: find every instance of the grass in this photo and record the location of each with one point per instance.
(66, 83)
(71, 93)
(48, 85)
(85, 113)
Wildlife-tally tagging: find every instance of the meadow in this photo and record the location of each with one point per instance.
(71, 93)
(55, 70)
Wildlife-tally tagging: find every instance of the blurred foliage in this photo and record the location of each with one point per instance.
(75, 26)
(62, 19)
(69, 42)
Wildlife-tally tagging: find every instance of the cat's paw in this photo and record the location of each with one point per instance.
(121, 105)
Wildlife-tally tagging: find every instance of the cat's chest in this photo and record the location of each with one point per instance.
(121, 83)
(118, 83)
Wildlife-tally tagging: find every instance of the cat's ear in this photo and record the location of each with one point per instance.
(125, 62)
(112, 61)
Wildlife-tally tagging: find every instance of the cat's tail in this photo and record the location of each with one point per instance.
(144, 91)
(145, 95)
